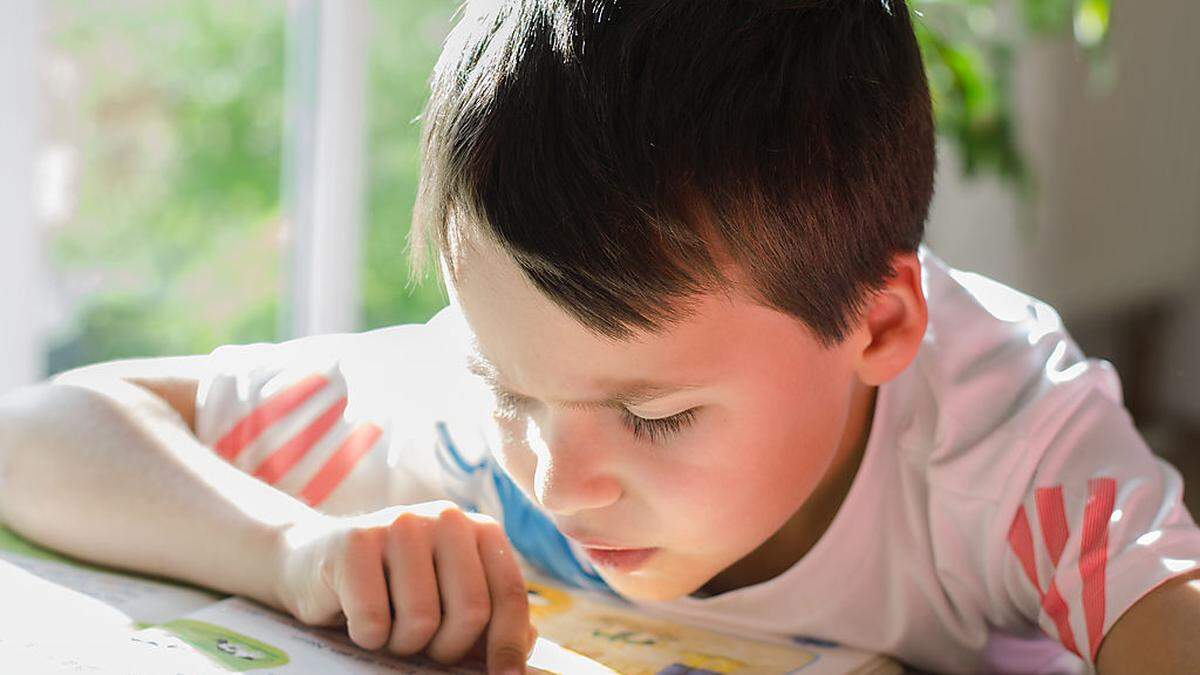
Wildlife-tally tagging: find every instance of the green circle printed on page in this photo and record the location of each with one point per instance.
(231, 650)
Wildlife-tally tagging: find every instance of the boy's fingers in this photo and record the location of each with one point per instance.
(533, 636)
(477, 655)
(363, 591)
(510, 635)
(413, 585)
(466, 607)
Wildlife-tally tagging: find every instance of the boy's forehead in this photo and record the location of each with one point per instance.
(521, 336)
(512, 322)
(494, 293)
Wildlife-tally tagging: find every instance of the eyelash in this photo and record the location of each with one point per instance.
(659, 430)
(653, 430)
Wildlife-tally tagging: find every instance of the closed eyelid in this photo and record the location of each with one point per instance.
(661, 429)
(664, 418)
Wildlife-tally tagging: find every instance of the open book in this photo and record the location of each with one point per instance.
(60, 615)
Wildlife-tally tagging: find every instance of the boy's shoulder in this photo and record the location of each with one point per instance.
(430, 355)
(1032, 489)
(996, 369)
(354, 405)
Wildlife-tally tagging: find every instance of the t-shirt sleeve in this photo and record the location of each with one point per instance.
(355, 423)
(1094, 523)
(344, 422)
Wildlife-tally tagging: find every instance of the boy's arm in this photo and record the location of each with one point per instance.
(100, 467)
(174, 379)
(135, 463)
(1158, 634)
(97, 466)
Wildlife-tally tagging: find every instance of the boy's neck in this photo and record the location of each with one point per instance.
(802, 531)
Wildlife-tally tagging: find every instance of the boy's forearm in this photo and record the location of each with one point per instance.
(106, 471)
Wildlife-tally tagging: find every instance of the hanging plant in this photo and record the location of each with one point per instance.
(970, 67)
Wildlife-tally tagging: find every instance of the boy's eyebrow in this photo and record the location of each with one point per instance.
(629, 393)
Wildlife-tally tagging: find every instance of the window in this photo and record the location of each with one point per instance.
(159, 175)
(180, 153)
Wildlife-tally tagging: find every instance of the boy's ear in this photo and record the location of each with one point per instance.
(893, 323)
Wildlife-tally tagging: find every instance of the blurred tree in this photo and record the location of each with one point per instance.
(405, 45)
(178, 131)
(969, 59)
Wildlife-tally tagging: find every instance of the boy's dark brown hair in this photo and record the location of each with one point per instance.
(630, 154)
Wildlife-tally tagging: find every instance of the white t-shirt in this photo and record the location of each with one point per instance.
(1005, 514)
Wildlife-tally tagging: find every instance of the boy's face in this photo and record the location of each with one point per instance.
(698, 445)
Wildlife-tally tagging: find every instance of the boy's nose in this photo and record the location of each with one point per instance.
(570, 475)
(565, 490)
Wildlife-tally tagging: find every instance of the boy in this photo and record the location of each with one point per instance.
(682, 243)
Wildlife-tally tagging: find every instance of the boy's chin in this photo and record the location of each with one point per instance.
(650, 587)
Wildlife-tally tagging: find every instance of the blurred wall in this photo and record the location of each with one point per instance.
(1112, 239)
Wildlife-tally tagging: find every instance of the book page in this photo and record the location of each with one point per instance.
(580, 633)
(241, 635)
(142, 600)
(63, 615)
(628, 640)
(48, 628)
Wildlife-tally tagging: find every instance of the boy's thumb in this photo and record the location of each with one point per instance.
(533, 636)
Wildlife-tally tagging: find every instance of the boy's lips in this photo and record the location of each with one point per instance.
(620, 559)
(610, 555)
(588, 541)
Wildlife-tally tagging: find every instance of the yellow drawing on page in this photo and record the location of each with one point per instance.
(545, 601)
(632, 643)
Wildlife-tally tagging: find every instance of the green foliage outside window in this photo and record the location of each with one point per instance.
(177, 121)
(405, 44)
(969, 59)
(178, 126)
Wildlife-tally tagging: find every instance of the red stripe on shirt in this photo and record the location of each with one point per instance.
(267, 413)
(1020, 539)
(286, 456)
(340, 464)
(1053, 518)
(1093, 555)
(1056, 609)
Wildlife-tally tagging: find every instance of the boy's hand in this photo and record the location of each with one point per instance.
(424, 578)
